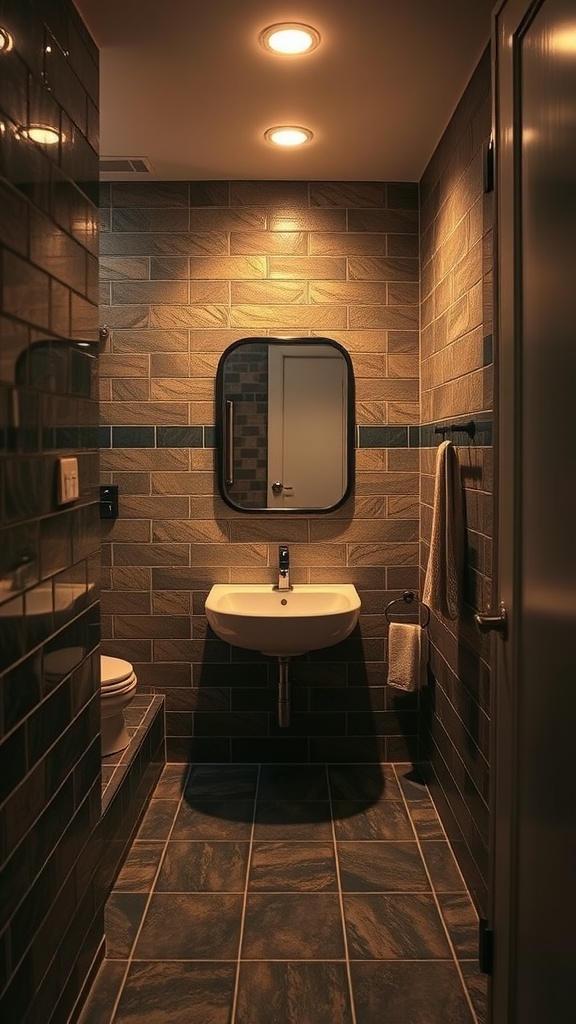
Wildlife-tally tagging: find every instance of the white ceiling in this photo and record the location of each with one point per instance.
(185, 84)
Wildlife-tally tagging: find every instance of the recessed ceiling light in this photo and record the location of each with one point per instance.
(288, 135)
(42, 133)
(6, 41)
(289, 38)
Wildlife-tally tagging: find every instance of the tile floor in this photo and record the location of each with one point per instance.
(289, 894)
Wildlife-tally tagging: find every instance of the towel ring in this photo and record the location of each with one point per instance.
(407, 597)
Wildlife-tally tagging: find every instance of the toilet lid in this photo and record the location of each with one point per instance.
(114, 670)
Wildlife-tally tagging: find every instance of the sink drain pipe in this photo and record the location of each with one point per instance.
(283, 693)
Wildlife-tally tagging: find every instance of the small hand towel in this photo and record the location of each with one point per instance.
(407, 656)
(442, 584)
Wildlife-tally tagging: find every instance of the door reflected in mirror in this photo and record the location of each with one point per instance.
(285, 425)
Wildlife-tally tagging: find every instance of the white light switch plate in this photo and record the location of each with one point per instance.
(68, 485)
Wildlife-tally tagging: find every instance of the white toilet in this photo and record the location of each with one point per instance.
(117, 687)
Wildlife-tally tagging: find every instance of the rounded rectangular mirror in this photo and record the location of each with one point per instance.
(285, 425)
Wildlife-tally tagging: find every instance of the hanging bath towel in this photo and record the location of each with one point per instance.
(407, 656)
(443, 582)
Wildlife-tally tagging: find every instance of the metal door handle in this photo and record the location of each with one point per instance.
(277, 487)
(492, 622)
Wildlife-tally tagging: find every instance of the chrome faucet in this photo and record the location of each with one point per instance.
(283, 568)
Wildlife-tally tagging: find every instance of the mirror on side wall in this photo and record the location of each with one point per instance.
(285, 425)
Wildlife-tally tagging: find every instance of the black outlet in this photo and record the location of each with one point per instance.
(109, 502)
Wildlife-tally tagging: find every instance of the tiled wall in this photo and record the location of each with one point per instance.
(49, 565)
(456, 382)
(187, 268)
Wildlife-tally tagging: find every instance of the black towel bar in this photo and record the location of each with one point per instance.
(407, 597)
(458, 428)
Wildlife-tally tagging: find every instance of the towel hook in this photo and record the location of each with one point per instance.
(407, 597)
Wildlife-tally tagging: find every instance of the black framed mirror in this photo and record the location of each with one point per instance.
(285, 425)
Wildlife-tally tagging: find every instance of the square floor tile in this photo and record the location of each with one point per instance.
(293, 926)
(204, 866)
(385, 820)
(293, 819)
(381, 867)
(444, 870)
(140, 867)
(123, 915)
(293, 993)
(101, 1001)
(199, 926)
(397, 993)
(363, 782)
(293, 782)
(292, 866)
(158, 820)
(221, 782)
(425, 820)
(394, 927)
(177, 993)
(170, 785)
(477, 985)
(412, 783)
(214, 819)
(462, 923)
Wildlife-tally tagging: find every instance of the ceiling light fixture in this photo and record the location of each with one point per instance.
(6, 41)
(289, 38)
(44, 134)
(288, 135)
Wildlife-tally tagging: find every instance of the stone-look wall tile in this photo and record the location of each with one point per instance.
(259, 258)
(456, 244)
(51, 917)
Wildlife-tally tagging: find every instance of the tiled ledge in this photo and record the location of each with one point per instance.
(128, 781)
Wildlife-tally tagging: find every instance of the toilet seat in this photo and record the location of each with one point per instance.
(116, 674)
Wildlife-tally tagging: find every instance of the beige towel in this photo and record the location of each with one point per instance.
(443, 581)
(407, 656)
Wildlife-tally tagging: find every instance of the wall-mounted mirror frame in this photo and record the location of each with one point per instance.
(285, 426)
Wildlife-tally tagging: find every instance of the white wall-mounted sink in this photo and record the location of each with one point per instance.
(283, 623)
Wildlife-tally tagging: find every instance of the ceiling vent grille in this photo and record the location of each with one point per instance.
(125, 165)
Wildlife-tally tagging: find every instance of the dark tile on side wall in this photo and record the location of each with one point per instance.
(383, 437)
(293, 993)
(104, 437)
(177, 992)
(179, 437)
(133, 437)
(208, 927)
(423, 992)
